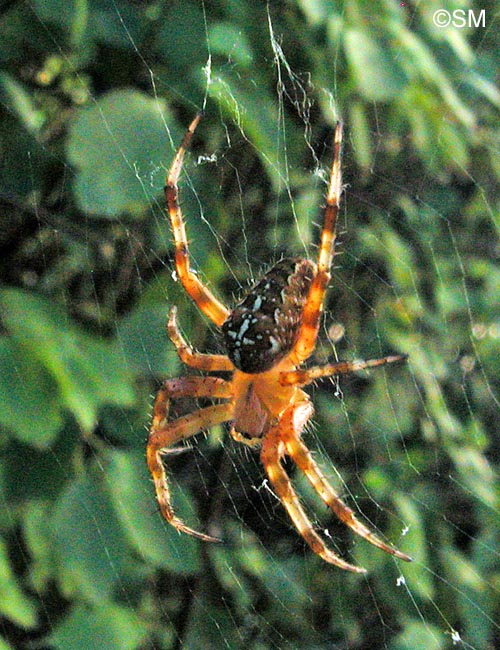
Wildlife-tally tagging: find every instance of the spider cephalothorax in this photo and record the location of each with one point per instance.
(268, 336)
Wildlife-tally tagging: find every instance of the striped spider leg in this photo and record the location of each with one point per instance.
(202, 296)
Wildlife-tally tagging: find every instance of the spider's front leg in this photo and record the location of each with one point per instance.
(284, 439)
(164, 434)
(301, 455)
(274, 448)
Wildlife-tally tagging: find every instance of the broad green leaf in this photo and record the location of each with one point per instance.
(88, 372)
(119, 146)
(144, 341)
(98, 20)
(377, 74)
(29, 405)
(49, 466)
(419, 635)
(228, 39)
(88, 540)
(180, 38)
(134, 501)
(104, 626)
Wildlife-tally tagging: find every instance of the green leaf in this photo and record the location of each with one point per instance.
(377, 74)
(118, 146)
(49, 466)
(14, 604)
(95, 628)
(415, 544)
(87, 372)
(144, 341)
(180, 39)
(36, 518)
(88, 540)
(419, 635)
(98, 20)
(229, 40)
(258, 120)
(476, 473)
(420, 58)
(359, 131)
(210, 626)
(19, 101)
(133, 498)
(27, 390)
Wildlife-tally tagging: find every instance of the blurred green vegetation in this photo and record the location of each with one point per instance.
(95, 96)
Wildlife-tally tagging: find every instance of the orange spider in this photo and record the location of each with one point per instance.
(267, 336)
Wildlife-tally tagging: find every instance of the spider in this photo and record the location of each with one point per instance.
(268, 336)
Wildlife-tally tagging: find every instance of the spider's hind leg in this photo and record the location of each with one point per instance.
(201, 295)
(306, 341)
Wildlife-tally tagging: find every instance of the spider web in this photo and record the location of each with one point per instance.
(410, 448)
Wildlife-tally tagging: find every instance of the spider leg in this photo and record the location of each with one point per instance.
(254, 443)
(201, 295)
(304, 345)
(165, 434)
(304, 377)
(273, 449)
(208, 362)
(188, 386)
(300, 454)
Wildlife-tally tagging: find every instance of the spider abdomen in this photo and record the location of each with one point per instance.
(264, 326)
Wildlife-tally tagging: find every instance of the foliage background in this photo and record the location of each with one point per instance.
(95, 96)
